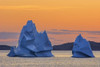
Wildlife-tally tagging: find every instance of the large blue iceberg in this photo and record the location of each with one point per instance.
(81, 48)
(31, 43)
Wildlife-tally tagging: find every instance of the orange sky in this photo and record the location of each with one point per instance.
(50, 14)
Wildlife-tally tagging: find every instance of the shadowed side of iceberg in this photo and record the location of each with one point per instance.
(44, 54)
(81, 48)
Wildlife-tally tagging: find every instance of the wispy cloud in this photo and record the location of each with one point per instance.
(56, 36)
(14, 35)
(92, 37)
(56, 31)
(9, 35)
(9, 38)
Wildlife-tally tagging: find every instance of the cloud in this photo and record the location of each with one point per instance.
(59, 32)
(56, 31)
(14, 35)
(92, 37)
(11, 42)
(9, 38)
(9, 35)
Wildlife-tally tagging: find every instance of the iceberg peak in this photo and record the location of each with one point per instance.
(79, 38)
(30, 27)
(30, 22)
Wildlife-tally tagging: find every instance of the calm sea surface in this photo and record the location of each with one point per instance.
(61, 59)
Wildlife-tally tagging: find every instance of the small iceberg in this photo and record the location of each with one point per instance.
(31, 43)
(81, 48)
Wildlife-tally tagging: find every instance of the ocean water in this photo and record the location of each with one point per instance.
(60, 59)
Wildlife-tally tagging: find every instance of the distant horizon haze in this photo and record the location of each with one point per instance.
(56, 37)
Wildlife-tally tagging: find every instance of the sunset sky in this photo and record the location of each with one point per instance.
(62, 19)
(50, 14)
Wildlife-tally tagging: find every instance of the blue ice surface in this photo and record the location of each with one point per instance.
(81, 48)
(31, 43)
(12, 53)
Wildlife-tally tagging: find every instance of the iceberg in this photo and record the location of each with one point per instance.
(32, 43)
(81, 48)
(12, 53)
